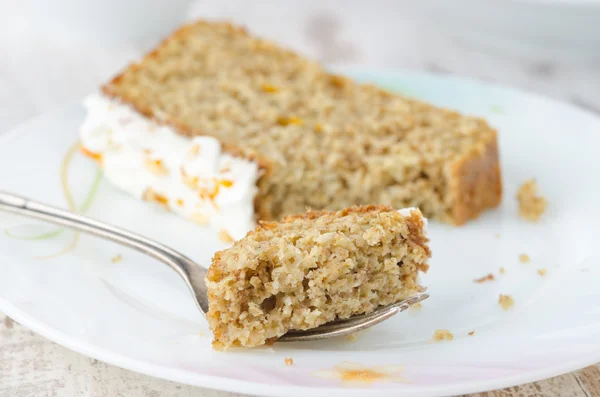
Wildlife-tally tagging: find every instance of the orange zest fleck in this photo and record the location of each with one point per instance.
(362, 375)
(206, 194)
(90, 154)
(270, 88)
(180, 202)
(162, 199)
(213, 195)
(156, 167)
(189, 181)
(226, 183)
(151, 195)
(285, 121)
(194, 150)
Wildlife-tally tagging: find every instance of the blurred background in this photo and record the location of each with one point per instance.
(54, 52)
(57, 51)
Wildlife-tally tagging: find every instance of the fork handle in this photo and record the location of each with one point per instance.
(192, 274)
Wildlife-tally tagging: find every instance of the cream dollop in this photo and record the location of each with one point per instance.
(190, 176)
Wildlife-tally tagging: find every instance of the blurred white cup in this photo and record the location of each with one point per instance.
(568, 30)
(110, 22)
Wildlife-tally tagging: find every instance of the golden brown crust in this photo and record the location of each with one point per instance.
(475, 182)
(357, 209)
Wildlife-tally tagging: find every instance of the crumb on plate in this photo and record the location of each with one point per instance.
(352, 337)
(542, 272)
(441, 335)
(524, 258)
(417, 306)
(502, 270)
(289, 361)
(225, 237)
(531, 205)
(506, 301)
(489, 277)
(497, 236)
(471, 333)
(116, 258)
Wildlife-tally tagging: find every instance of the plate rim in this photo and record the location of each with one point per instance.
(241, 386)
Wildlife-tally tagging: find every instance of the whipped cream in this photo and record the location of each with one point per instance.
(192, 177)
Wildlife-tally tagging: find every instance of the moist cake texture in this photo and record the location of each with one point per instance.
(321, 140)
(313, 268)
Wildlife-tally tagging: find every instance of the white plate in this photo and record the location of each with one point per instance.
(137, 314)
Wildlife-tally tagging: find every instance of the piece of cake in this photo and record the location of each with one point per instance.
(531, 205)
(313, 268)
(221, 126)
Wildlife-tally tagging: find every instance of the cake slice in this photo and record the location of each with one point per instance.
(313, 268)
(225, 128)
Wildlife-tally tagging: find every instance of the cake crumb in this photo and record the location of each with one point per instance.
(542, 272)
(352, 337)
(117, 258)
(417, 306)
(489, 277)
(441, 335)
(506, 301)
(289, 361)
(471, 333)
(502, 270)
(524, 258)
(531, 205)
(225, 237)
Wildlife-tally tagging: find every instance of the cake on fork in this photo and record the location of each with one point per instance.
(314, 268)
(225, 128)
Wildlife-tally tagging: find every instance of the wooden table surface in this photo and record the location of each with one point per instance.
(39, 71)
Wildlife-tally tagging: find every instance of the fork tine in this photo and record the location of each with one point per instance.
(333, 331)
(353, 324)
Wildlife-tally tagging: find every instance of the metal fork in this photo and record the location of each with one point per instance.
(192, 273)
